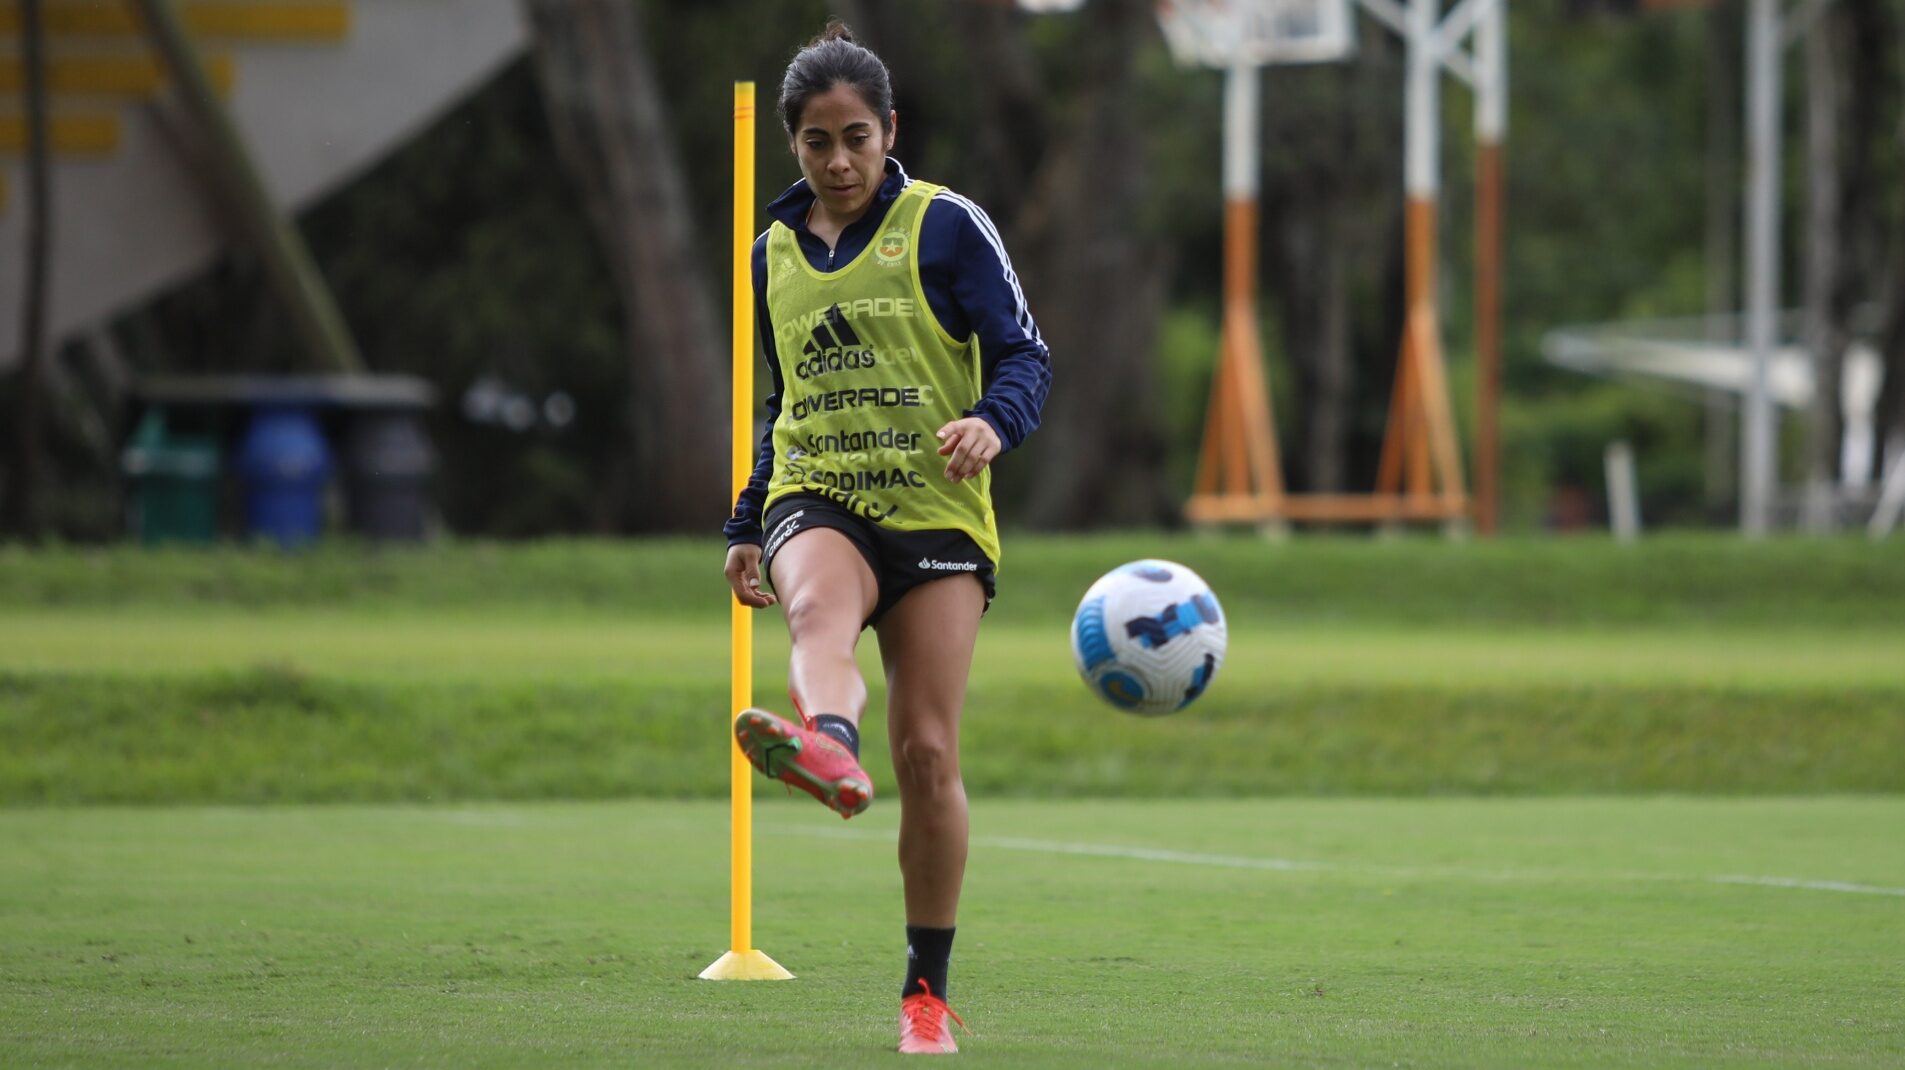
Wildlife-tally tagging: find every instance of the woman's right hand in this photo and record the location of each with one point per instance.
(744, 575)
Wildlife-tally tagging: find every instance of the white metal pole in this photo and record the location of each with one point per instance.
(1421, 135)
(1891, 499)
(1758, 471)
(1241, 132)
(1491, 117)
(1623, 491)
(1491, 74)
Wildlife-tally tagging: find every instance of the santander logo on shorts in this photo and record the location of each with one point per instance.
(930, 565)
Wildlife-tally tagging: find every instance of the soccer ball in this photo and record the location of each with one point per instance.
(1149, 637)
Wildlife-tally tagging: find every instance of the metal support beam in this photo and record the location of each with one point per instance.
(1491, 125)
(1456, 62)
(1891, 499)
(1241, 131)
(1389, 13)
(1491, 61)
(1458, 24)
(1422, 132)
(1759, 429)
(1801, 21)
(1420, 475)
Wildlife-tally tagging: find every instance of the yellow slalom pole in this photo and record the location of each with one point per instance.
(742, 962)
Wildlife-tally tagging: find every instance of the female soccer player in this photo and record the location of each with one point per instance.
(905, 362)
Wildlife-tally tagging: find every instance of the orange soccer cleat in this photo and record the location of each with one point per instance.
(923, 1028)
(814, 762)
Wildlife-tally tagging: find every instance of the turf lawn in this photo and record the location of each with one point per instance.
(1606, 932)
(1496, 804)
(594, 670)
(224, 705)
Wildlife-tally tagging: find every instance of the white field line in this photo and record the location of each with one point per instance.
(1811, 886)
(1148, 854)
(1291, 865)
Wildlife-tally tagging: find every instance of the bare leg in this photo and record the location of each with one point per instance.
(926, 643)
(826, 590)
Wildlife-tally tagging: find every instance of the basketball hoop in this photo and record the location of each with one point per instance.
(1225, 33)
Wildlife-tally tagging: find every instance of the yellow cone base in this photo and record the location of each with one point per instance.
(746, 966)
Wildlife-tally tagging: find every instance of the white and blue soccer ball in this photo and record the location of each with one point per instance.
(1149, 637)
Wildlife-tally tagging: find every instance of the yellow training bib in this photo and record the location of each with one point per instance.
(869, 375)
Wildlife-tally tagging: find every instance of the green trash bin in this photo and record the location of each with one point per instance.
(175, 482)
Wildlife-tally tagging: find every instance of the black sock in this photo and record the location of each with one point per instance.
(832, 724)
(928, 953)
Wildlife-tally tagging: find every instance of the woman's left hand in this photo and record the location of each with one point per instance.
(971, 444)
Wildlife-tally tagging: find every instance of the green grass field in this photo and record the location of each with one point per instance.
(1613, 932)
(1512, 804)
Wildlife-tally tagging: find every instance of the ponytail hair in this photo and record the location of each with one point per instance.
(831, 59)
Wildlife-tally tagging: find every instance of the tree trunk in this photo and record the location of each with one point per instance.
(1826, 330)
(1853, 87)
(22, 506)
(1327, 430)
(884, 26)
(1882, 36)
(1012, 140)
(611, 128)
(1098, 289)
(1723, 50)
(1332, 210)
(1313, 183)
(1891, 405)
(1313, 300)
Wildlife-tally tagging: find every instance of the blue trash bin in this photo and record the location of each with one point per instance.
(284, 464)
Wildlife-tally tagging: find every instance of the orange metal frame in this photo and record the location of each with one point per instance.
(1239, 475)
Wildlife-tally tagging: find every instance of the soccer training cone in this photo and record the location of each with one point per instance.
(746, 966)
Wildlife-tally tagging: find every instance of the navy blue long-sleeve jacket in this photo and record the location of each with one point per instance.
(971, 288)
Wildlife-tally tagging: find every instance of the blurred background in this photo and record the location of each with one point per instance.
(436, 291)
(519, 215)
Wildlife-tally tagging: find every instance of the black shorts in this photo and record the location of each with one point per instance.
(900, 560)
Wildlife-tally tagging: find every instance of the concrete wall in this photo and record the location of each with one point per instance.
(315, 116)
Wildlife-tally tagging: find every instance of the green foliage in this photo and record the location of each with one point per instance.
(1835, 584)
(1425, 930)
(1605, 168)
(464, 256)
(1556, 443)
(634, 575)
(600, 670)
(1604, 165)
(1187, 359)
(466, 253)
(274, 735)
(1152, 933)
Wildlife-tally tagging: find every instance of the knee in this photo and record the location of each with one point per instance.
(819, 620)
(926, 762)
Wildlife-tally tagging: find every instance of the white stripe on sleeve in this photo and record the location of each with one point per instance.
(1022, 312)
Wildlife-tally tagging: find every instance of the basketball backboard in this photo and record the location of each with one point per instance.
(1223, 33)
